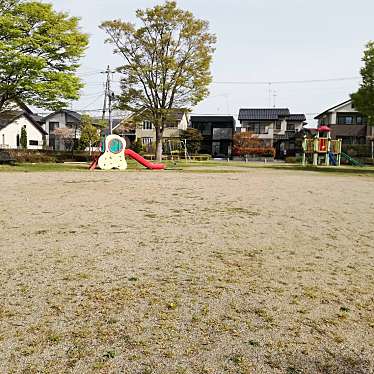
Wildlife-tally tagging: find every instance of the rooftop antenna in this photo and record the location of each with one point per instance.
(275, 98)
(270, 90)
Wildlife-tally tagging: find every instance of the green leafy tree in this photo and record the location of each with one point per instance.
(39, 54)
(23, 139)
(193, 139)
(138, 146)
(89, 135)
(363, 99)
(167, 59)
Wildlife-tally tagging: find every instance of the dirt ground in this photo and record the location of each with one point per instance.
(260, 271)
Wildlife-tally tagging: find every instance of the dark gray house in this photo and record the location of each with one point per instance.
(217, 131)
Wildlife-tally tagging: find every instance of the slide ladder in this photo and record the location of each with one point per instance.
(332, 159)
(351, 160)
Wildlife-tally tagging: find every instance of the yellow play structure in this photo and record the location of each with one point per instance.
(322, 149)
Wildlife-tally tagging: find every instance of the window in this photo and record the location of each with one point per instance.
(359, 120)
(70, 125)
(33, 142)
(222, 133)
(205, 128)
(147, 141)
(291, 127)
(278, 125)
(257, 128)
(53, 126)
(345, 120)
(172, 125)
(147, 125)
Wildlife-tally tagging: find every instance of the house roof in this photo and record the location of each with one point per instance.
(332, 108)
(256, 114)
(212, 119)
(296, 117)
(71, 113)
(8, 117)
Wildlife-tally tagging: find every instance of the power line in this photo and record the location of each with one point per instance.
(288, 82)
(303, 81)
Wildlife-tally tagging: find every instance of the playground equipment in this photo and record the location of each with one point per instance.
(322, 149)
(113, 156)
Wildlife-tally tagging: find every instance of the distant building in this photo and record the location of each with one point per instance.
(277, 127)
(12, 120)
(63, 118)
(145, 130)
(346, 123)
(218, 132)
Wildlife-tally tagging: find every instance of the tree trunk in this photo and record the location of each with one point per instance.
(159, 133)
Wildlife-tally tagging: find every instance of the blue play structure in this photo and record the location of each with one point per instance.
(332, 159)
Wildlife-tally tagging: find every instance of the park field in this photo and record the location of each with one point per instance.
(213, 269)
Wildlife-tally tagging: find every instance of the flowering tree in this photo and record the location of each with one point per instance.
(247, 143)
(67, 136)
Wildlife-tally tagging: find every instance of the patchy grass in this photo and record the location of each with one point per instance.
(184, 273)
(196, 167)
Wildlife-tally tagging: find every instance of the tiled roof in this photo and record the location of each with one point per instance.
(71, 113)
(263, 114)
(212, 119)
(296, 117)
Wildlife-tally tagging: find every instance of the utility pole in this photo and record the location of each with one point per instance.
(108, 98)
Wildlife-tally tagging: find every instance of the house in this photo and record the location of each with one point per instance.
(12, 120)
(346, 123)
(277, 127)
(217, 131)
(58, 120)
(146, 131)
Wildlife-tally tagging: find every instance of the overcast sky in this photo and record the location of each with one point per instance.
(262, 40)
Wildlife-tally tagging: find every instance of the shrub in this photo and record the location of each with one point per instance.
(137, 146)
(260, 152)
(31, 156)
(293, 160)
(357, 150)
(46, 156)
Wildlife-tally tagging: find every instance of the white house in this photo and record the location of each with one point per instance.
(11, 123)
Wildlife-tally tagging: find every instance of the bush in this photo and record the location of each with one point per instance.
(293, 160)
(137, 146)
(31, 156)
(260, 152)
(44, 156)
(357, 150)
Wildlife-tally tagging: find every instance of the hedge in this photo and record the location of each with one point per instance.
(44, 156)
(261, 152)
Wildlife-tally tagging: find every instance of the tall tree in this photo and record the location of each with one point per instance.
(90, 133)
(193, 138)
(363, 99)
(23, 139)
(167, 59)
(39, 54)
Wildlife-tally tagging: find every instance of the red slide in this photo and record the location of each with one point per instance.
(143, 161)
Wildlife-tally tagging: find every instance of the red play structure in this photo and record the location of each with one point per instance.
(143, 161)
